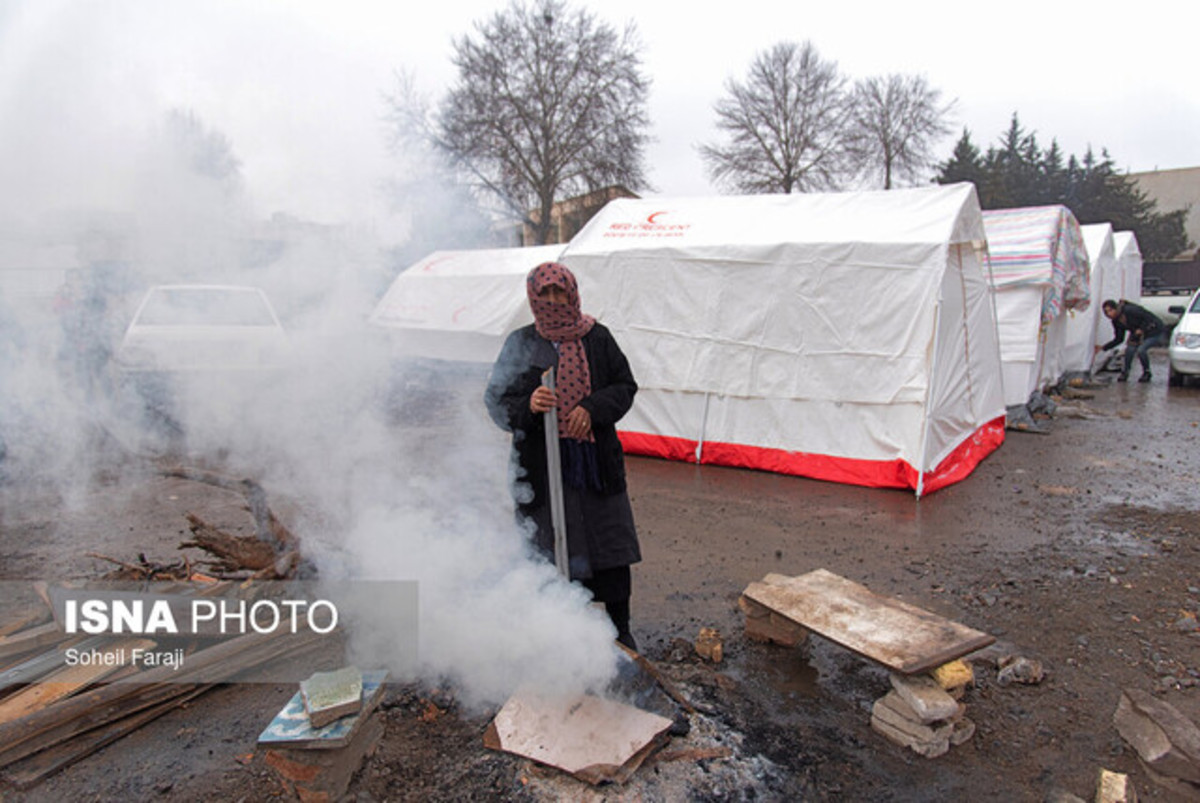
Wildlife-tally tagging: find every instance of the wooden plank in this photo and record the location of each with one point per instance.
(902, 637)
(70, 679)
(31, 669)
(37, 768)
(35, 638)
(26, 618)
(88, 710)
(106, 703)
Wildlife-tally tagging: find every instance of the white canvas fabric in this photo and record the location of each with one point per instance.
(853, 325)
(1129, 260)
(1039, 270)
(460, 305)
(1086, 328)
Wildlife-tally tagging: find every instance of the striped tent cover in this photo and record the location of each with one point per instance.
(1039, 245)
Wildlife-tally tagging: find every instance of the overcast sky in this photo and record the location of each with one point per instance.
(297, 85)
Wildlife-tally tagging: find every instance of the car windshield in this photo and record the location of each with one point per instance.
(1195, 304)
(205, 306)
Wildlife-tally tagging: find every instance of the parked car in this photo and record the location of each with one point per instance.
(1167, 307)
(204, 335)
(1183, 350)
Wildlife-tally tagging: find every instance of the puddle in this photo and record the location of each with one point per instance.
(1122, 543)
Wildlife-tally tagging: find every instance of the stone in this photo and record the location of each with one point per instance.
(763, 624)
(927, 699)
(1183, 790)
(1114, 787)
(329, 696)
(1019, 669)
(1165, 740)
(963, 730)
(1063, 796)
(709, 645)
(902, 738)
(893, 710)
(954, 675)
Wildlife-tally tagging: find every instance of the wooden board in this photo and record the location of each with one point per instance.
(902, 637)
(34, 638)
(30, 669)
(292, 728)
(42, 765)
(24, 618)
(68, 680)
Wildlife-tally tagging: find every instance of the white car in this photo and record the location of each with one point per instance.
(1183, 350)
(196, 328)
(199, 334)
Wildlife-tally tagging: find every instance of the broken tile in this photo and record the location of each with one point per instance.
(329, 696)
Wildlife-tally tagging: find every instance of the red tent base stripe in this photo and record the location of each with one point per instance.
(871, 473)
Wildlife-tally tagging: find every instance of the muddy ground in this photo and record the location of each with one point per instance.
(1079, 548)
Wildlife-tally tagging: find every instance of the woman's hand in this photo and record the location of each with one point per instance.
(579, 423)
(542, 400)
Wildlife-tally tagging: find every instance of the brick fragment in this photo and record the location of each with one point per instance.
(928, 700)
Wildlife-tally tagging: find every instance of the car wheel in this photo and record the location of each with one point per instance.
(1174, 378)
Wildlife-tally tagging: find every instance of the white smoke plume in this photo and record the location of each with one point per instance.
(392, 468)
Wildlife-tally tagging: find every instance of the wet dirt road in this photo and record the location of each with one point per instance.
(1080, 548)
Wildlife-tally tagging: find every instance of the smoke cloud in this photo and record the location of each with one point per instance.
(392, 467)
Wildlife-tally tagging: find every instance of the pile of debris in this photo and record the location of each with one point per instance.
(922, 651)
(1167, 742)
(64, 696)
(926, 712)
(70, 684)
(325, 732)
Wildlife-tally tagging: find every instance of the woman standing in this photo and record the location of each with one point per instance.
(594, 389)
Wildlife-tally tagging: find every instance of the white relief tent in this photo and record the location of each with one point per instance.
(1039, 269)
(1129, 258)
(1089, 328)
(460, 305)
(846, 337)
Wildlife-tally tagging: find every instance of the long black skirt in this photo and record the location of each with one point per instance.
(601, 540)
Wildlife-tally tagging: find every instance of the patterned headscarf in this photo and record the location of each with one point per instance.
(563, 324)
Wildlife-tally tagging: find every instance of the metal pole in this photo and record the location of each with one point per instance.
(558, 515)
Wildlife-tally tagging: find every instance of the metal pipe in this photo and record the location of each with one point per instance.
(558, 515)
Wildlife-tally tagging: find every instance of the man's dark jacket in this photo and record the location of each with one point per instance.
(518, 372)
(1133, 318)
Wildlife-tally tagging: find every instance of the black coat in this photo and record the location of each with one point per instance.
(518, 372)
(1133, 318)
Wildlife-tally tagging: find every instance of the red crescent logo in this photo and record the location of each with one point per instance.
(457, 312)
(651, 219)
(429, 265)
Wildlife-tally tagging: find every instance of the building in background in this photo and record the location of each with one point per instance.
(1174, 189)
(569, 216)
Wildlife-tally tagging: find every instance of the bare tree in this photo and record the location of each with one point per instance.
(206, 151)
(549, 103)
(896, 121)
(785, 125)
